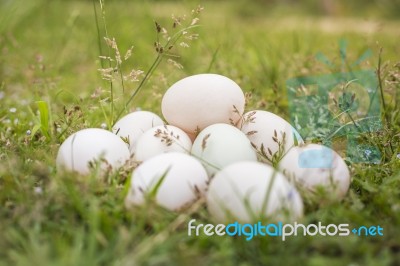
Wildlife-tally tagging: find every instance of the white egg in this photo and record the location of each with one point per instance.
(219, 145)
(162, 139)
(270, 134)
(133, 125)
(250, 191)
(313, 166)
(198, 101)
(91, 144)
(184, 180)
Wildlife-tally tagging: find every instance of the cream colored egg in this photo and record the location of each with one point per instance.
(248, 192)
(133, 125)
(314, 166)
(199, 101)
(219, 145)
(89, 145)
(162, 139)
(180, 179)
(270, 134)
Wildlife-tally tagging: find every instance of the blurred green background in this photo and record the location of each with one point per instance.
(278, 39)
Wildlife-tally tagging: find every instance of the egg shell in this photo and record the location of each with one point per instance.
(239, 192)
(133, 125)
(219, 145)
(88, 145)
(260, 127)
(162, 139)
(198, 101)
(185, 180)
(315, 165)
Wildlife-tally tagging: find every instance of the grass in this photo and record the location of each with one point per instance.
(49, 61)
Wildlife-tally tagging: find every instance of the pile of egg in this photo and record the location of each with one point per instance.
(210, 148)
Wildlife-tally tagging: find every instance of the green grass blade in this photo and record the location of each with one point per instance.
(153, 192)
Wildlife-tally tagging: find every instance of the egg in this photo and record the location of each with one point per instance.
(248, 192)
(312, 166)
(219, 145)
(198, 101)
(162, 139)
(177, 179)
(270, 134)
(133, 125)
(91, 144)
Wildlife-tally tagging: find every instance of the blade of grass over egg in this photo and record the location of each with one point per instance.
(295, 140)
(268, 193)
(153, 192)
(245, 200)
(247, 206)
